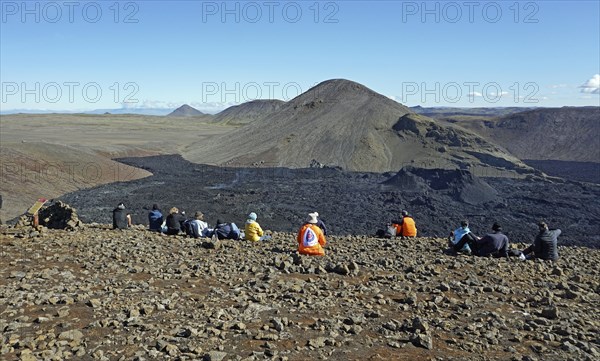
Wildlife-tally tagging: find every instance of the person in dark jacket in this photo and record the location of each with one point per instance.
(545, 244)
(492, 244)
(121, 220)
(155, 219)
(174, 221)
(225, 230)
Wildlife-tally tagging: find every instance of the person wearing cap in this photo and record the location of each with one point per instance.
(155, 219)
(406, 226)
(199, 228)
(174, 220)
(493, 244)
(545, 244)
(460, 233)
(311, 239)
(319, 223)
(121, 219)
(253, 231)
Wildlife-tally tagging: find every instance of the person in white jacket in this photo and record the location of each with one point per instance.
(200, 228)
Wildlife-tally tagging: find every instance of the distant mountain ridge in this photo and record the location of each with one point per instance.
(441, 112)
(248, 112)
(342, 123)
(565, 134)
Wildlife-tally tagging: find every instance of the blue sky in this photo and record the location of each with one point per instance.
(83, 55)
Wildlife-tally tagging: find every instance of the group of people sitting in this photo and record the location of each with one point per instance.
(311, 235)
(177, 223)
(495, 244)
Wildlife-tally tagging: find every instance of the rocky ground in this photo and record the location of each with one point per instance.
(352, 202)
(101, 294)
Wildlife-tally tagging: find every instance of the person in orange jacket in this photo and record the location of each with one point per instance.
(406, 226)
(311, 239)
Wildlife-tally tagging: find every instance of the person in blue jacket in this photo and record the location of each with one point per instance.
(155, 219)
(460, 233)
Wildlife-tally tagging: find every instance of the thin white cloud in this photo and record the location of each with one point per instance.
(557, 86)
(475, 94)
(592, 86)
(208, 107)
(150, 104)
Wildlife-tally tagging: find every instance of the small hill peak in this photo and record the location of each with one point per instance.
(185, 111)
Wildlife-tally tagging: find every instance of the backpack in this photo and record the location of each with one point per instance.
(310, 238)
(390, 232)
(235, 231)
(188, 229)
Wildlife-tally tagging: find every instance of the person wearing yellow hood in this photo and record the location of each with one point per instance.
(252, 230)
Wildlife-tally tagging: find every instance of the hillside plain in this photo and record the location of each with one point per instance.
(47, 155)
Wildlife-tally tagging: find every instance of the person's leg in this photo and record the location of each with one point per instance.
(472, 243)
(515, 253)
(463, 241)
(466, 244)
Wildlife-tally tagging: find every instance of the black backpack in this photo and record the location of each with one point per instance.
(188, 229)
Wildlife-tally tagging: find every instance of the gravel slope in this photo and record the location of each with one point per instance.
(135, 295)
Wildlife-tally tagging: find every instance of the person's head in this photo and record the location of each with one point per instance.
(155, 207)
(121, 206)
(464, 224)
(496, 227)
(199, 215)
(404, 214)
(219, 221)
(174, 210)
(312, 218)
(252, 216)
(543, 226)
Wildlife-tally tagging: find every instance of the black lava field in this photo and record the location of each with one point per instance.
(350, 202)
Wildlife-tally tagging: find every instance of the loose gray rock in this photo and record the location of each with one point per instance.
(215, 356)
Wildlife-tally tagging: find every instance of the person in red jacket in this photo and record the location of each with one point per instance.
(311, 238)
